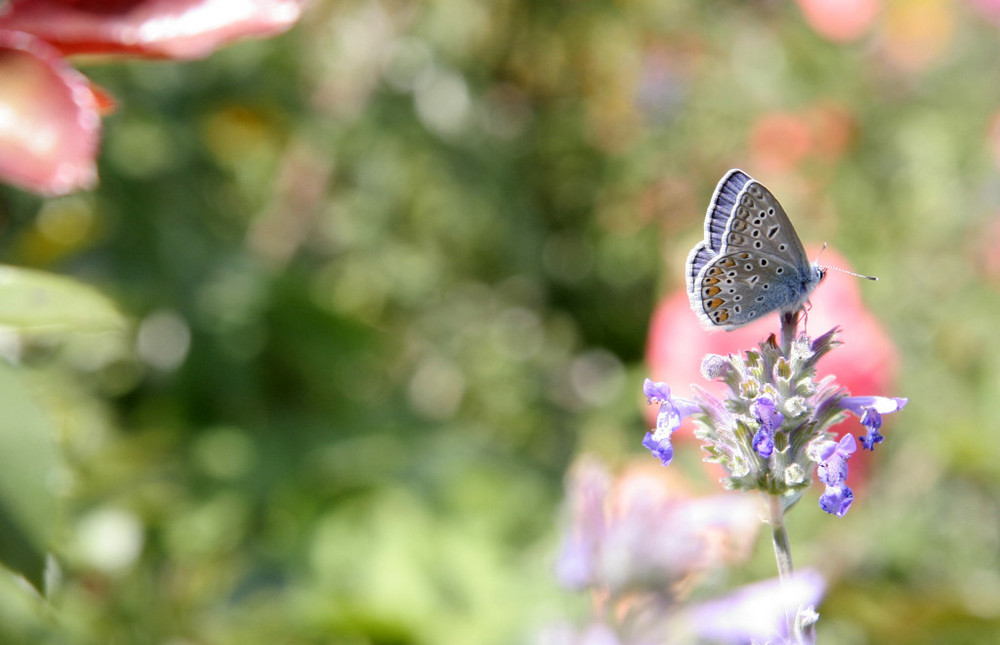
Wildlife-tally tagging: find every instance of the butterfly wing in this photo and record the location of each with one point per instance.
(739, 287)
(700, 255)
(759, 224)
(720, 209)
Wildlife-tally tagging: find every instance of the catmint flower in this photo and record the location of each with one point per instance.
(773, 430)
(637, 531)
(668, 419)
(870, 409)
(638, 543)
(769, 419)
(832, 471)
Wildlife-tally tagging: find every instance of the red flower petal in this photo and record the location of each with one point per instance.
(49, 121)
(156, 28)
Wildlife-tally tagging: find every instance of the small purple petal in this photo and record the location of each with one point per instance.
(668, 419)
(763, 443)
(871, 419)
(660, 447)
(833, 471)
(847, 446)
(836, 500)
(871, 438)
(767, 415)
(883, 404)
(656, 392)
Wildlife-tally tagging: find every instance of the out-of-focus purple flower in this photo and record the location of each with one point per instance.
(587, 492)
(563, 633)
(641, 532)
(870, 409)
(756, 613)
(672, 410)
(832, 471)
(770, 419)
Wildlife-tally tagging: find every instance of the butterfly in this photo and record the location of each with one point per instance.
(751, 261)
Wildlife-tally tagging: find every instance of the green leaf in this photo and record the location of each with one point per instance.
(28, 462)
(38, 301)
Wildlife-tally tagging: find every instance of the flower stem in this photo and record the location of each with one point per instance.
(783, 555)
(789, 325)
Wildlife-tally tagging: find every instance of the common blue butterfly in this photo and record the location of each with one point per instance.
(751, 261)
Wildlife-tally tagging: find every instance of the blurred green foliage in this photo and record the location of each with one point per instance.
(387, 274)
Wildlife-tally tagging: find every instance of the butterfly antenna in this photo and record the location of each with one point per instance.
(856, 275)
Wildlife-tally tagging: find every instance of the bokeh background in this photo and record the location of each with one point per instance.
(389, 273)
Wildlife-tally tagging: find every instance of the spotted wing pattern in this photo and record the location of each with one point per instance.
(759, 224)
(739, 287)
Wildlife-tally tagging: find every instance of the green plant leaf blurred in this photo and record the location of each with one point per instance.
(28, 463)
(38, 301)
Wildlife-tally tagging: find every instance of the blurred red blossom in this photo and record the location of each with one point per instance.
(780, 141)
(910, 36)
(988, 8)
(181, 29)
(50, 113)
(49, 118)
(840, 20)
(866, 364)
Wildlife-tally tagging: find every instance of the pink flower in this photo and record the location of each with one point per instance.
(840, 20)
(49, 118)
(182, 29)
(50, 114)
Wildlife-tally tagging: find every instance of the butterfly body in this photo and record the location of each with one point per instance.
(751, 261)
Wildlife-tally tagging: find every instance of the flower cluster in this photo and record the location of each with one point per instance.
(772, 429)
(639, 545)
